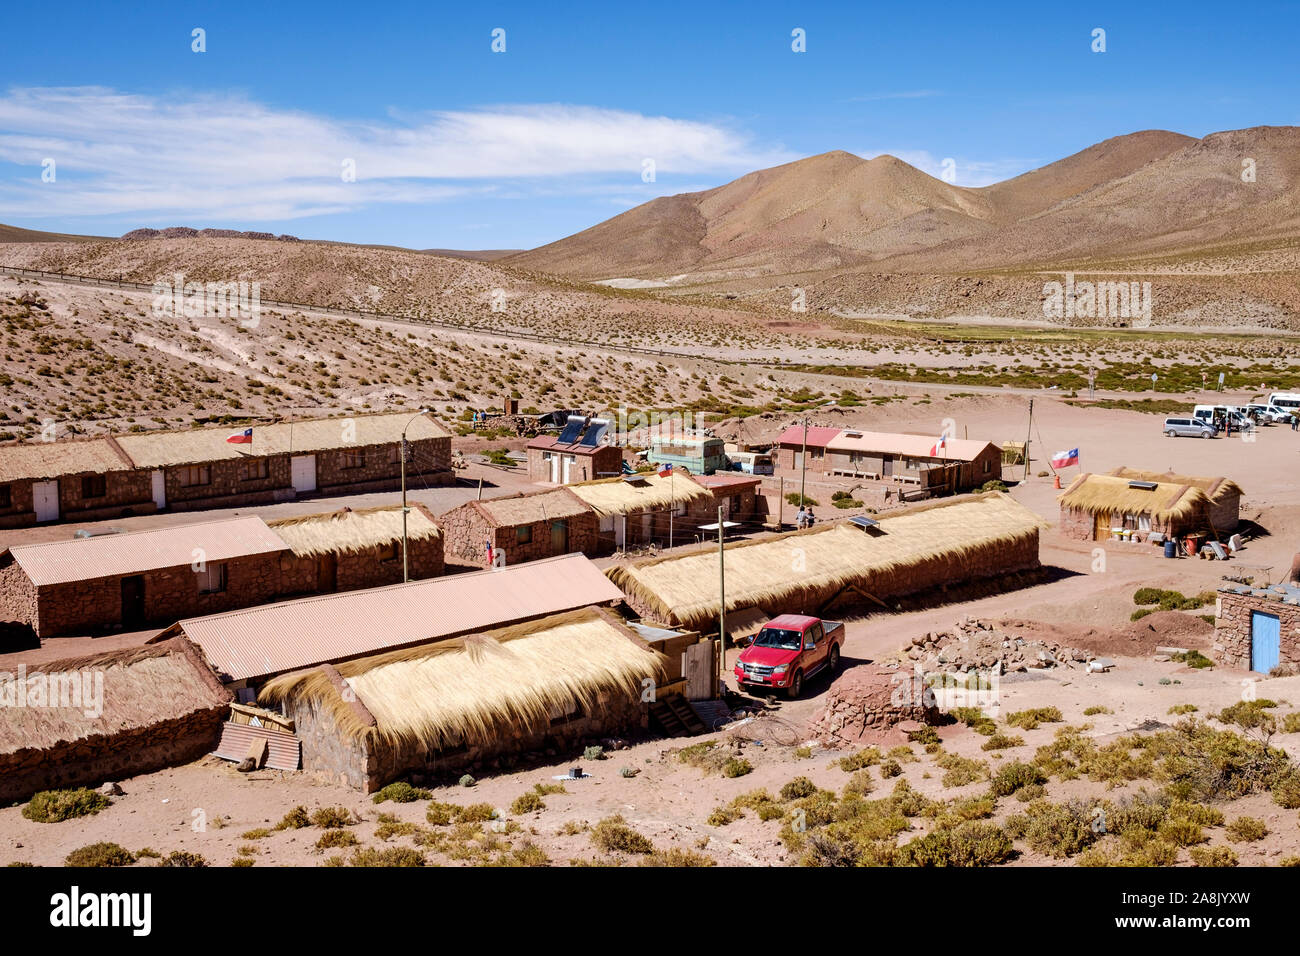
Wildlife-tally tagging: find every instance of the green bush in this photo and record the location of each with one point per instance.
(1213, 856)
(1058, 829)
(529, 802)
(859, 760)
(890, 768)
(1013, 776)
(737, 767)
(1002, 742)
(334, 838)
(1030, 719)
(100, 854)
(975, 719)
(389, 856)
(295, 819)
(55, 806)
(180, 858)
(402, 792)
(970, 844)
(798, 788)
(330, 818)
(613, 835)
(1247, 830)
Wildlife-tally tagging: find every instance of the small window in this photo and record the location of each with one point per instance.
(6, 497)
(354, 458)
(212, 579)
(524, 534)
(255, 469)
(988, 466)
(390, 553)
(93, 486)
(195, 475)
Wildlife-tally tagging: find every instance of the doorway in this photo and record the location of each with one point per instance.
(133, 601)
(559, 537)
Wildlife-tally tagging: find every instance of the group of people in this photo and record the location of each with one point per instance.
(804, 519)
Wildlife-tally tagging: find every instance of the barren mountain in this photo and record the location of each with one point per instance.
(1147, 193)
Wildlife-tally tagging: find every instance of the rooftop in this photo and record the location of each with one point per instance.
(275, 638)
(346, 530)
(112, 555)
(818, 435)
(72, 456)
(530, 507)
(910, 446)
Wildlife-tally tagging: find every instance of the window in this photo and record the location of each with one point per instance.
(195, 475)
(93, 486)
(6, 497)
(212, 579)
(354, 458)
(390, 553)
(255, 469)
(524, 534)
(988, 466)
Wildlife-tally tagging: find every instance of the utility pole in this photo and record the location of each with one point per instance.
(722, 604)
(405, 449)
(1029, 432)
(803, 461)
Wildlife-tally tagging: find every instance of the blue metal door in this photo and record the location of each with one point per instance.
(1265, 641)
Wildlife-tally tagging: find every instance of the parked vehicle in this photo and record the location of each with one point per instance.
(1287, 401)
(1211, 414)
(1271, 413)
(751, 463)
(1189, 428)
(788, 650)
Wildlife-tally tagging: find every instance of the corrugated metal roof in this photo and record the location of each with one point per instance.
(38, 460)
(110, 555)
(162, 449)
(728, 479)
(261, 641)
(911, 446)
(818, 435)
(283, 751)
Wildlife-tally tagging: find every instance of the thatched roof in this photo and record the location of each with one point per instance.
(162, 449)
(1108, 495)
(345, 531)
(614, 496)
(479, 688)
(1216, 489)
(814, 564)
(531, 507)
(142, 686)
(54, 459)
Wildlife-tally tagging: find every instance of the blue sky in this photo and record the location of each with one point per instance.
(457, 146)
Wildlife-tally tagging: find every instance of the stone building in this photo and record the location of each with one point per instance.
(789, 453)
(578, 453)
(443, 706)
(139, 473)
(520, 528)
(637, 510)
(956, 465)
(347, 550)
(1258, 629)
(1136, 505)
(737, 494)
(87, 479)
(131, 712)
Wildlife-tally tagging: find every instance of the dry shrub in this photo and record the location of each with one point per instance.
(613, 835)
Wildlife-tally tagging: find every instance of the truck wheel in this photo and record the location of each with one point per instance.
(796, 685)
(1171, 433)
(834, 662)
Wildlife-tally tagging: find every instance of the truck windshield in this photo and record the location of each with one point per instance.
(779, 638)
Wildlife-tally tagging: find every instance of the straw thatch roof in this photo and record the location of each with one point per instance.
(531, 507)
(479, 688)
(614, 496)
(812, 565)
(163, 449)
(1216, 489)
(142, 686)
(54, 459)
(1108, 495)
(345, 531)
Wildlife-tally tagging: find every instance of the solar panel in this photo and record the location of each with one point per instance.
(1144, 485)
(572, 429)
(862, 521)
(595, 432)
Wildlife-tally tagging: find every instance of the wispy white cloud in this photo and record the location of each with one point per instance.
(228, 158)
(966, 171)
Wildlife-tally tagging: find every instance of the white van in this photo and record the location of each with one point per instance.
(1270, 413)
(1213, 415)
(1287, 401)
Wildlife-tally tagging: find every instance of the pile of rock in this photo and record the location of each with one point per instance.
(979, 645)
(868, 704)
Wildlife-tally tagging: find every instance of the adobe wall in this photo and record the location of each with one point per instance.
(101, 757)
(1232, 613)
(125, 491)
(328, 753)
(1225, 515)
(228, 486)
(380, 470)
(603, 462)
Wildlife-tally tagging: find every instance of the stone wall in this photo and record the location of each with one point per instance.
(101, 757)
(1225, 515)
(230, 484)
(1232, 616)
(467, 530)
(17, 594)
(126, 493)
(602, 462)
(370, 763)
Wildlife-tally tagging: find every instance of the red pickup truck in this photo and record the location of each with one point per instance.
(788, 650)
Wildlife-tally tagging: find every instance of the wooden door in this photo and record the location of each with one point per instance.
(559, 537)
(699, 670)
(327, 573)
(133, 601)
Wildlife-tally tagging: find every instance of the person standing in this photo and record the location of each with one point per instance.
(801, 519)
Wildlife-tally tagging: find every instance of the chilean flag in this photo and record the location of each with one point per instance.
(1063, 458)
(666, 471)
(941, 443)
(241, 438)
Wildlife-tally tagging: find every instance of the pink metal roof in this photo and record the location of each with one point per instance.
(728, 479)
(111, 555)
(275, 638)
(911, 446)
(818, 436)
